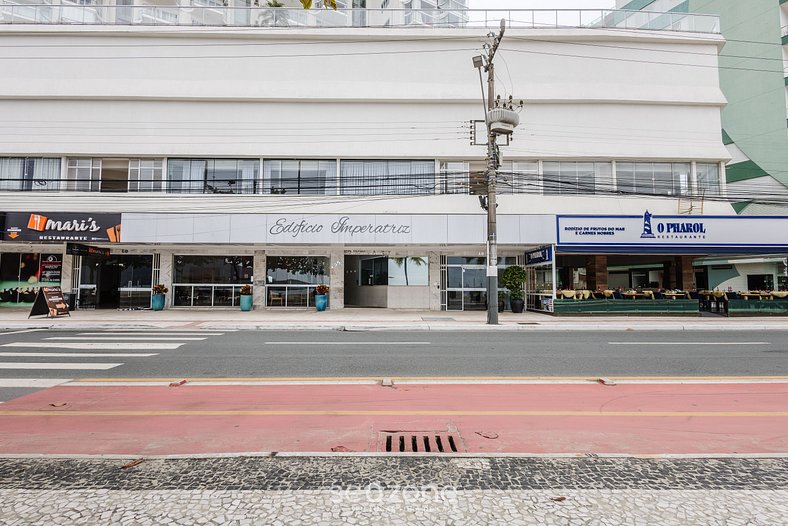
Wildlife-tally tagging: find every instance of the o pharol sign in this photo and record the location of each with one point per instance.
(651, 230)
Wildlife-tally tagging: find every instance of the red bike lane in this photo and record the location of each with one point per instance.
(541, 418)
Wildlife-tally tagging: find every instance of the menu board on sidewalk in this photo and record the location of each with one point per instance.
(50, 302)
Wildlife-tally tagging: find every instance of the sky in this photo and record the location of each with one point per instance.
(541, 4)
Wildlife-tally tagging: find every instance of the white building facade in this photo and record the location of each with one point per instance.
(207, 157)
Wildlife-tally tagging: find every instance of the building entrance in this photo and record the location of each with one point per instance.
(118, 281)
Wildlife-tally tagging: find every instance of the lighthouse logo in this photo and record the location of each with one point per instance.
(647, 233)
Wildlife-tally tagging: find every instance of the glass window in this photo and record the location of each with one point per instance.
(708, 178)
(374, 271)
(518, 177)
(454, 177)
(387, 177)
(573, 178)
(22, 274)
(316, 177)
(29, 173)
(668, 179)
(84, 175)
(213, 176)
(296, 270)
(145, 175)
(408, 270)
(213, 269)
(136, 271)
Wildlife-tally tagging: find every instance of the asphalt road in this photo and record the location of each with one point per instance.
(372, 353)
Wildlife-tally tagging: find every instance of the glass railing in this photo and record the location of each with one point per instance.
(211, 13)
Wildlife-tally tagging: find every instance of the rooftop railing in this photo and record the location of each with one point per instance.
(215, 14)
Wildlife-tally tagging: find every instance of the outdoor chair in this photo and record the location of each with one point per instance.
(657, 295)
(617, 295)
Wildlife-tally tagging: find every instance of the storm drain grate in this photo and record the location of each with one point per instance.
(419, 442)
(437, 318)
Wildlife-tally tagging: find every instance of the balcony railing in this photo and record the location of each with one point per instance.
(208, 13)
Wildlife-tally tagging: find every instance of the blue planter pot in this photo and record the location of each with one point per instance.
(246, 302)
(321, 300)
(157, 302)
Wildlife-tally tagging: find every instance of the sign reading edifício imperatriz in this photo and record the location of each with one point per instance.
(62, 226)
(684, 230)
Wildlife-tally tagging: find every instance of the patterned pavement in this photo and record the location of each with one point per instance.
(396, 490)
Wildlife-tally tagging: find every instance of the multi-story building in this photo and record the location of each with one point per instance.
(754, 79)
(204, 150)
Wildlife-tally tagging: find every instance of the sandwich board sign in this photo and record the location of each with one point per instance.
(50, 302)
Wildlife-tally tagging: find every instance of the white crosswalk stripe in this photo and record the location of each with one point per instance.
(124, 338)
(130, 346)
(81, 351)
(77, 354)
(57, 365)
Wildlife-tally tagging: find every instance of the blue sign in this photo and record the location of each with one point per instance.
(542, 255)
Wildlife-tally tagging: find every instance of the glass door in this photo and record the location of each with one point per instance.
(466, 286)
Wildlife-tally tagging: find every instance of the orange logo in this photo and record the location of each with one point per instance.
(13, 235)
(113, 233)
(37, 222)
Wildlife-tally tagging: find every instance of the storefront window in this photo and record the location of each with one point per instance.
(465, 281)
(22, 274)
(408, 271)
(291, 280)
(210, 281)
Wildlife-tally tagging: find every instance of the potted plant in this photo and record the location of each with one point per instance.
(157, 299)
(501, 301)
(246, 298)
(513, 278)
(321, 300)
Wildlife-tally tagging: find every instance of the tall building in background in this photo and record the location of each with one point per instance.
(754, 80)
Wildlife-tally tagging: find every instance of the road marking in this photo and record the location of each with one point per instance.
(32, 382)
(405, 379)
(397, 412)
(56, 365)
(131, 346)
(124, 338)
(20, 332)
(689, 343)
(151, 333)
(77, 354)
(347, 343)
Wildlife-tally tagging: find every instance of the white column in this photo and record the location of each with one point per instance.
(336, 292)
(260, 269)
(434, 279)
(166, 276)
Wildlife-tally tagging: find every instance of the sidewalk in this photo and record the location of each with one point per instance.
(371, 319)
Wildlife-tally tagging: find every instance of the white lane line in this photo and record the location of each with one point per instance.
(56, 365)
(124, 338)
(151, 333)
(20, 332)
(689, 343)
(348, 343)
(131, 346)
(78, 354)
(32, 382)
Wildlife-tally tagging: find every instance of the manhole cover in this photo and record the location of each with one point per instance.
(436, 318)
(420, 442)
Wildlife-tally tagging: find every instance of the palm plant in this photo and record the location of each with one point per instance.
(403, 263)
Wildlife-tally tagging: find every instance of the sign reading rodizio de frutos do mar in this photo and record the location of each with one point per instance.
(61, 226)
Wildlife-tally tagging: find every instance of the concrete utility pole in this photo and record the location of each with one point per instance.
(499, 121)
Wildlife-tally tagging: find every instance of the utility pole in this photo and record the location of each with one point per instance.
(499, 120)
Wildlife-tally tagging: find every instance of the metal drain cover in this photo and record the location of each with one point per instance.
(420, 442)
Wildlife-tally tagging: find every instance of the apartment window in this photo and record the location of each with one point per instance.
(29, 173)
(454, 177)
(145, 175)
(708, 178)
(213, 176)
(300, 177)
(574, 177)
(666, 179)
(387, 177)
(83, 175)
(518, 177)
